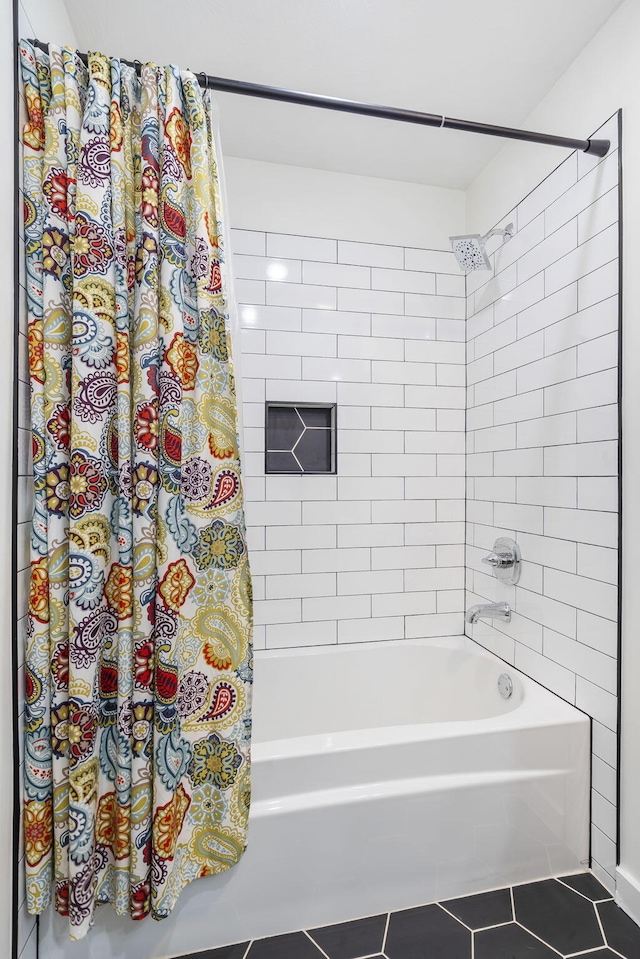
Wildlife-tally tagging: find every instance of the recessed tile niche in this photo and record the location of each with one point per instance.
(300, 438)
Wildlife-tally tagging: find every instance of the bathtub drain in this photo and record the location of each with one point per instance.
(505, 685)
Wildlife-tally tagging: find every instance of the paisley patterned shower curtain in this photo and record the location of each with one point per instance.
(138, 660)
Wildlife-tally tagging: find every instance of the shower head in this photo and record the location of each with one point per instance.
(470, 252)
(470, 249)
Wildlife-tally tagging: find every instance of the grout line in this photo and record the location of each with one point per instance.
(370, 955)
(540, 359)
(497, 925)
(386, 930)
(319, 947)
(543, 941)
(513, 904)
(457, 918)
(593, 901)
(604, 937)
(249, 944)
(586, 952)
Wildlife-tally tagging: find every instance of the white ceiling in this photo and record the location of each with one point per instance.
(487, 60)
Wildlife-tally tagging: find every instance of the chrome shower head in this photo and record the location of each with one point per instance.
(470, 249)
(470, 252)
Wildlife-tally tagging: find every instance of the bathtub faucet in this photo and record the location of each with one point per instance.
(488, 611)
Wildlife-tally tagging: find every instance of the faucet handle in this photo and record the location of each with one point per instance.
(499, 560)
(504, 560)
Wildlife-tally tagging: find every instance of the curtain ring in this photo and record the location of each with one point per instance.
(202, 79)
(137, 66)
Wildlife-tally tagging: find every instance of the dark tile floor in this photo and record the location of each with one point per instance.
(569, 916)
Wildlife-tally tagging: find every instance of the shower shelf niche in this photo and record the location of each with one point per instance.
(300, 438)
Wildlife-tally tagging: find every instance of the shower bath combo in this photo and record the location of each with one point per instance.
(492, 767)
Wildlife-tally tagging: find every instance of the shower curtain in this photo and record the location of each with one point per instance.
(138, 660)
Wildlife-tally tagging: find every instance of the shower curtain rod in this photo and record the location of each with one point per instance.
(597, 147)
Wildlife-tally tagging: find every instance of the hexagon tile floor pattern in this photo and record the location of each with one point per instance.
(571, 916)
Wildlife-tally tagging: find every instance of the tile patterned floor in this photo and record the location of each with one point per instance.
(570, 916)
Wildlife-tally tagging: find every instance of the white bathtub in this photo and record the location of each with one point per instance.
(385, 775)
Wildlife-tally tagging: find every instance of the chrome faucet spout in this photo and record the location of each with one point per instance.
(488, 611)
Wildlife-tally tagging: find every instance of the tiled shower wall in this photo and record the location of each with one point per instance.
(542, 442)
(376, 552)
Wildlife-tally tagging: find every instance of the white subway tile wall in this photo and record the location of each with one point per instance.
(542, 445)
(376, 552)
